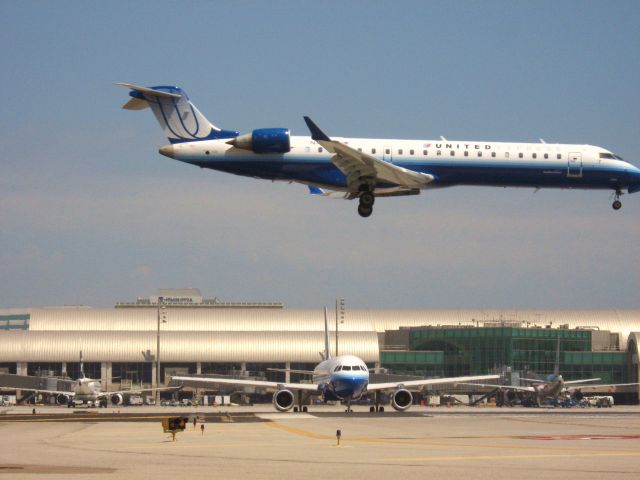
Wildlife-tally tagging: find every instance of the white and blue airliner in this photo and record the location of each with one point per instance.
(366, 168)
(341, 378)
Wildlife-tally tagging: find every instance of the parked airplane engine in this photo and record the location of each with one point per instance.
(283, 400)
(62, 399)
(116, 399)
(401, 399)
(264, 140)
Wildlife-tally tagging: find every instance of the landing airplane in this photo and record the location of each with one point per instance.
(341, 378)
(365, 169)
(89, 392)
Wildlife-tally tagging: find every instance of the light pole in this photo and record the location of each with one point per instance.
(160, 312)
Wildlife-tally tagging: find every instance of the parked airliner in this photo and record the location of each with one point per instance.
(88, 391)
(365, 169)
(341, 378)
(555, 387)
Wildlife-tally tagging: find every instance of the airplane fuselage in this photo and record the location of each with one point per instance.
(449, 162)
(87, 390)
(344, 377)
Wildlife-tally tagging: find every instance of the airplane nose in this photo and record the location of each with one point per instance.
(167, 151)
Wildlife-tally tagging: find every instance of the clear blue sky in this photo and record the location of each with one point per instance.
(91, 214)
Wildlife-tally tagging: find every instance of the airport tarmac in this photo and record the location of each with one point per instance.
(257, 442)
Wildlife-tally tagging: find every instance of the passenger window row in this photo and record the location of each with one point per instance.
(453, 153)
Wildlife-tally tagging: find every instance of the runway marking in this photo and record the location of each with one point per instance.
(579, 437)
(515, 457)
(548, 421)
(432, 442)
(298, 431)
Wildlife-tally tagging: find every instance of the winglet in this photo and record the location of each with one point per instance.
(316, 133)
(313, 190)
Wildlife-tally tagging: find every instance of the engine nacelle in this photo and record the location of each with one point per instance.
(116, 399)
(283, 400)
(401, 399)
(264, 140)
(62, 399)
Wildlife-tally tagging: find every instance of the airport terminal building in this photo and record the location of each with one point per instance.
(195, 335)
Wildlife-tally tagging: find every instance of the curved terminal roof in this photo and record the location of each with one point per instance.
(252, 334)
(622, 322)
(180, 347)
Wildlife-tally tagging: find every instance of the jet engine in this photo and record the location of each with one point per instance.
(283, 400)
(116, 399)
(62, 399)
(401, 399)
(264, 140)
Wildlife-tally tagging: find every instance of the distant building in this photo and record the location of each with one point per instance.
(210, 336)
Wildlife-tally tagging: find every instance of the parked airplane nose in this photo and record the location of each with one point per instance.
(167, 151)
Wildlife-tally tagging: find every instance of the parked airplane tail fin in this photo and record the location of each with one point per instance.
(81, 366)
(327, 345)
(180, 120)
(556, 367)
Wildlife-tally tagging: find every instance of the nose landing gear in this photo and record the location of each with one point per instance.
(617, 204)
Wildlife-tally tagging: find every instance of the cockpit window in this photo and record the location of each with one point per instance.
(337, 369)
(346, 367)
(611, 156)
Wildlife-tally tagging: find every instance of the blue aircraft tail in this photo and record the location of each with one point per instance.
(180, 120)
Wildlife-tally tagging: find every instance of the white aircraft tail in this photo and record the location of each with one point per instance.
(81, 366)
(180, 120)
(556, 367)
(327, 346)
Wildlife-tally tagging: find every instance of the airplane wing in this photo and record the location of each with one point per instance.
(612, 387)
(502, 387)
(431, 381)
(573, 382)
(290, 370)
(360, 167)
(380, 192)
(204, 382)
(41, 390)
(137, 391)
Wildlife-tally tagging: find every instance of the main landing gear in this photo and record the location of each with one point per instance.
(365, 208)
(376, 407)
(617, 204)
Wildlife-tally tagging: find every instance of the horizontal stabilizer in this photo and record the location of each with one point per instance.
(290, 370)
(136, 104)
(150, 91)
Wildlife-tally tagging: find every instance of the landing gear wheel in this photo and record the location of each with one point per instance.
(617, 205)
(304, 409)
(365, 211)
(367, 199)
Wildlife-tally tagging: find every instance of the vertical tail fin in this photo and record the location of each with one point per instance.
(81, 366)
(327, 345)
(556, 367)
(180, 120)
